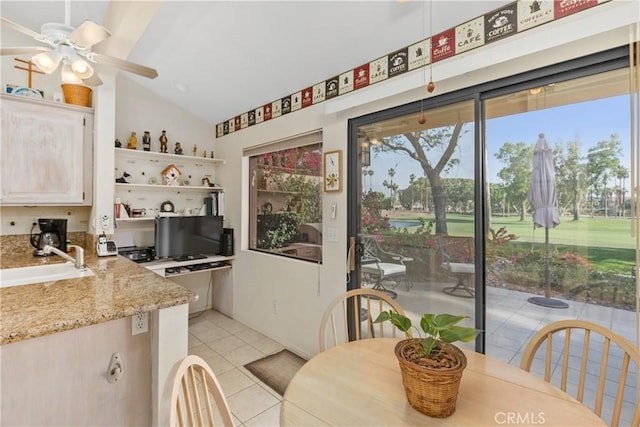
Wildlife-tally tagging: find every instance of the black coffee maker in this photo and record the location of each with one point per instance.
(53, 232)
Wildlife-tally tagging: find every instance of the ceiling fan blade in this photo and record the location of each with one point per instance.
(93, 80)
(124, 65)
(21, 50)
(20, 28)
(88, 34)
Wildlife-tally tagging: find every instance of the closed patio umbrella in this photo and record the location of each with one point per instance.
(542, 196)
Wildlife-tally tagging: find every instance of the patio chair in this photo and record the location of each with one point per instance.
(456, 260)
(368, 303)
(593, 348)
(381, 265)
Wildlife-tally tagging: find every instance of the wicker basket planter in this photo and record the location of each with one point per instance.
(77, 94)
(432, 391)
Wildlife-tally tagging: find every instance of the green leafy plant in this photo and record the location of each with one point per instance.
(278, 230)
(435, 328)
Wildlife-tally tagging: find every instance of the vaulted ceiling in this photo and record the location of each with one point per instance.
(218, 59)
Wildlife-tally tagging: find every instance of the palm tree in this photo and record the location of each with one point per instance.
(622, 173)
(392, 173)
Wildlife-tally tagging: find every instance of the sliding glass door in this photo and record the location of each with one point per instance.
(581, 263)
(416, 177)
(563, 251)
(451, 193)
(416, 209)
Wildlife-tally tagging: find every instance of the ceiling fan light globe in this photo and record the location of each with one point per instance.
(47, 61)
(81, 68)
(68, 76)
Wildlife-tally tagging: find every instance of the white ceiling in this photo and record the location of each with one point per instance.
(232, 56)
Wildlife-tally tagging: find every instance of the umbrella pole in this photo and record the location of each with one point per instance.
(547, 267)
(547, 301)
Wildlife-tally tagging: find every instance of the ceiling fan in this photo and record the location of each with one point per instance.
(73, 48)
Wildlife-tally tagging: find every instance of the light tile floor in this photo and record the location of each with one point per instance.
(227, 345)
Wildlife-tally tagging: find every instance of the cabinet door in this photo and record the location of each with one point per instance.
(42, 154)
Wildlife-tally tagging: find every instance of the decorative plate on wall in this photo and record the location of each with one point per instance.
(28, 92)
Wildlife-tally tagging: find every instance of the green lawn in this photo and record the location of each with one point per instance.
(606, 243)
(601, 232)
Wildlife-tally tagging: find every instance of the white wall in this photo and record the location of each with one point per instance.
(18, 219)
(61, 379)
(302, 290)
(138, 109)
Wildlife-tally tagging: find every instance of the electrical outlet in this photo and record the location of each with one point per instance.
(104, 222)
(139, 323)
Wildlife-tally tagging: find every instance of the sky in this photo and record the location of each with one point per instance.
(586, 122)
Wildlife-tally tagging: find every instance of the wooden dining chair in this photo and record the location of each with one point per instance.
(367, 303)
(193, 387)
(585, 344)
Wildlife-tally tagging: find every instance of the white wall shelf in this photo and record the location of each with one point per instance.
(185, 271)
(145, 188)
(158, 187)
(157, 157)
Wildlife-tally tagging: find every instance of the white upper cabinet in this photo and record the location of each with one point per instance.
(46, 153)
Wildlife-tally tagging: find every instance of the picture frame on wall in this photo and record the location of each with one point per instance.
(333, 171)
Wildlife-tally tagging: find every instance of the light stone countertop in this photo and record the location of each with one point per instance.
(119, 288)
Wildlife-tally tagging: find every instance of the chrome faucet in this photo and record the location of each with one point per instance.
(78, 260)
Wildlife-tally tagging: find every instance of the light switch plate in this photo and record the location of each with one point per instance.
(332, 234)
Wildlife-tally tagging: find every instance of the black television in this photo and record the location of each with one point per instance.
(187, 237)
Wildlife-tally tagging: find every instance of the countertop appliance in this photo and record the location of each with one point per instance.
(136, 253)
(52, 232)
(106, 247)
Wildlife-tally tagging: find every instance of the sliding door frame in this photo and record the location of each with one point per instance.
(589, 65)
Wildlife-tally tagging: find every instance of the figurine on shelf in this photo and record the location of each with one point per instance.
(163, 142)
(118, 143)
(206, 182)
(204, 154)
(133, 141)
(212, 154)
(195, 149)
(146, 141)
(171, 175)
(123, 179)
(178, 149)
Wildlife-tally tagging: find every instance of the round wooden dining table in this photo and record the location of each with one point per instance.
(359, 384)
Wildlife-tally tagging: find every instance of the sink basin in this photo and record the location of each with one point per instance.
(41, 273)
